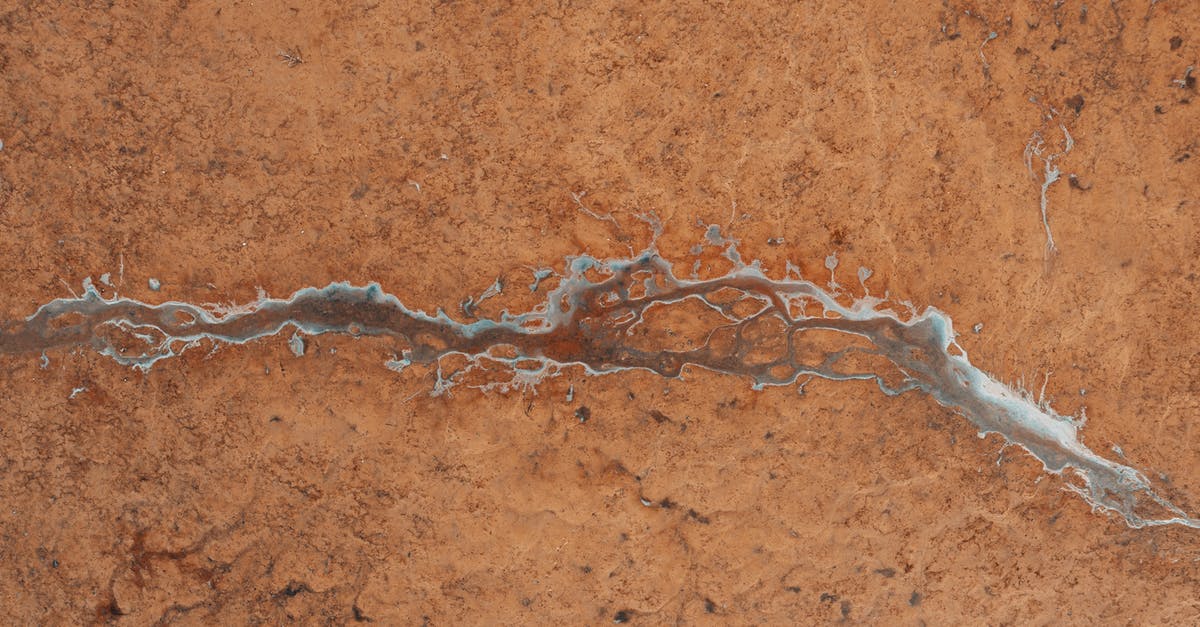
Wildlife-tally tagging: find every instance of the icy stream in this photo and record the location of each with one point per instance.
(609, 316)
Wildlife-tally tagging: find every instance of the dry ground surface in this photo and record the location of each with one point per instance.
(223, 147)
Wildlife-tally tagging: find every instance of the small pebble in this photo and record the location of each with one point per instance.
(296, 343)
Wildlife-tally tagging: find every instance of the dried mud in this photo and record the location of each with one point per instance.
(220, 148)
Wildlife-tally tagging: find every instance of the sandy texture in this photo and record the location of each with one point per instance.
(434, 149)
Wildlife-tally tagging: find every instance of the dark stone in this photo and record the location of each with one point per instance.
(1075, 102)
